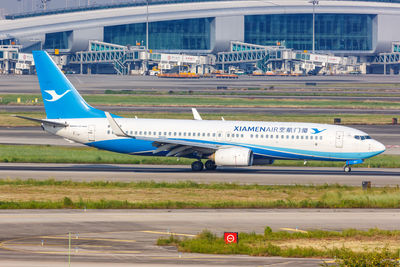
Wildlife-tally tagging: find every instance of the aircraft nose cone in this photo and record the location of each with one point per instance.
(379, 147)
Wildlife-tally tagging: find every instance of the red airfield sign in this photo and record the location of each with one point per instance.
(231, 237)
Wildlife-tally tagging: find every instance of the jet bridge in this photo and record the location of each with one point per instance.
(266, 56)
(101, 52)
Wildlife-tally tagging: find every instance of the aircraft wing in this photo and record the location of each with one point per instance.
(175, 147)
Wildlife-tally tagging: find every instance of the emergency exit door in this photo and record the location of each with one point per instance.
(339, 139)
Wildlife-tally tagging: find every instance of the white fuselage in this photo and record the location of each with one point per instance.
(276, 140)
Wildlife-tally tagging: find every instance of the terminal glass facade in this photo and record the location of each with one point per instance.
(347, 32)
(57, 40)
(188, 34)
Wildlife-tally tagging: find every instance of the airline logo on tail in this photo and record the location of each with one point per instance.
(54, 95)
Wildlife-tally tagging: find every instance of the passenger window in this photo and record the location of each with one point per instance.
(108, 132)
(154, 133)
(277, 136)
(320, 138)
(256, 135)
(219, 135)
(266, 136)
(261, 136)
(208, 134)
(287, 136)
(135, 132)
(282, 136)
(311, 137)
(292, 136)
(272, 137)
(242, 135)
(306, 137)
(302, 137)
(204, 134)
(251, 136)
(140, 133)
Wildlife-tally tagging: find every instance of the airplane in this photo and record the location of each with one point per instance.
(220, 142)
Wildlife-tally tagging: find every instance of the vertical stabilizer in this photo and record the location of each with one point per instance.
(61, 99)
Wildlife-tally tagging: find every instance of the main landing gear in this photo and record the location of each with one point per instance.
(198, 165)
(210, 165)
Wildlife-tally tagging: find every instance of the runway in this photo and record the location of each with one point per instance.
(128, 237)
(265, 175)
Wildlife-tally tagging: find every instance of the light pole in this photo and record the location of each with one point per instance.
(314, 3)
(147, 34)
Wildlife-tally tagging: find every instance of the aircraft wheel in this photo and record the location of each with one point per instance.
(210, 165)
(197, 166)
(347, 168)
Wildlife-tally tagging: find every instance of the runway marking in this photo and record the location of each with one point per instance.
(8, 245)
(294, 230)
(167, 233)
(53, 245)
(92, 239)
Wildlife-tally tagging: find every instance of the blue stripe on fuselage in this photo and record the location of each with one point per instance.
(142, 147)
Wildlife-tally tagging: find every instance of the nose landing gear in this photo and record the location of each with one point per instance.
(347, 168)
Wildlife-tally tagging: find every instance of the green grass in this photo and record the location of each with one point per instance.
(268, 245)
(60, 154)
(163, 100)
(52, 194)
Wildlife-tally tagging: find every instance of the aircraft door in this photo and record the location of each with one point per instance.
(339, 139)
(91, 133)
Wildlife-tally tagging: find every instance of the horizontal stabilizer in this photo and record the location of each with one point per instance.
(52, 123)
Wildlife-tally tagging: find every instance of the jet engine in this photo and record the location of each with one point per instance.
(233, 156)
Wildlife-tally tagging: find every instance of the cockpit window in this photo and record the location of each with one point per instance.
(362, 137)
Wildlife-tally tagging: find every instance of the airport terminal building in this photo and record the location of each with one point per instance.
(345, 28)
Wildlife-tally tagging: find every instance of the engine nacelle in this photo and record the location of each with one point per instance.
(233, 156)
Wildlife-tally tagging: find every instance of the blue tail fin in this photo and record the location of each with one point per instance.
(60, 98)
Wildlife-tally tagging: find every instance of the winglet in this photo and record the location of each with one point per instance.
(196, 115)
(115, 127)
